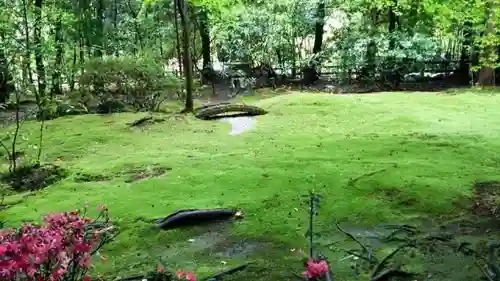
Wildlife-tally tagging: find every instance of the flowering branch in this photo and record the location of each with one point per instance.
(61, 249)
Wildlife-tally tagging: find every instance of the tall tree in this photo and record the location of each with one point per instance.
(27, 59)
(177, 37)
(188, 70)
(203, 23)
(37, 39)
(56, 75)
(6, 84)
(489, 52)
(311, 71)
(99, 34)
(466, 53)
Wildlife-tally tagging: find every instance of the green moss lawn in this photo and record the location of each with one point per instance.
(420, 154)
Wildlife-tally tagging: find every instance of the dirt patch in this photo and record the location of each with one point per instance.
(241, 248)
(423, 136)
(396, 196)
(486, 199)
(140, 173)
(217, 243)
(218, 240)
(34, 177)
(84, 177)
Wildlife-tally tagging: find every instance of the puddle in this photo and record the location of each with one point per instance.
(239, 124)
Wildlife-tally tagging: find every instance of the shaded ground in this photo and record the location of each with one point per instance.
(33, 177)
(429, 85)
(129, 174)
(376, 159)
(486, 198)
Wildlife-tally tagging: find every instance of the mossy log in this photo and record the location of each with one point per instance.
(218, 110)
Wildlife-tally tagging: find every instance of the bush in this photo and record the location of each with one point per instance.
(59, 250)
(58, 108)
(120, 84)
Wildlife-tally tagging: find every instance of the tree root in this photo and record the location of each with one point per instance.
(366, 250)
(353, 181)
(145, 120)
(384, 262)
(140, 121)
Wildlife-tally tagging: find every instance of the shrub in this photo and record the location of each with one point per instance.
(56, 108)
(59, 250)
(119, 84)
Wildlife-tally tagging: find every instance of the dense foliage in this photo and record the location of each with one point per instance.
(46, 44)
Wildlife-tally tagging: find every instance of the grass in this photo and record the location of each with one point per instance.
(424, 152)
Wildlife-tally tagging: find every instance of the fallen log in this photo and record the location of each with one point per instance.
(217, 111)
(209, 105)
(191, 217)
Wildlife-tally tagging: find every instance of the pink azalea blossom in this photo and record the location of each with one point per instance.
(188, 276)
(44, 253)
(315, 269)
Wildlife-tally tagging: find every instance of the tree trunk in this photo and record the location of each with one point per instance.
(463, 72)
(27, 64)
(294, 58)
(207, 71)
(160, 38)
(115, 28)
(82, 37)
(81, 51)
(56, 76)
(99, 36)
(73, 70)
(137, 27)
(6, 85)
(368, 71)
(188, 71)
(488, 58)
(392, 72)
(37, 38)
(497, 71)
(310, 72)
(177, 38)
(319, 28)
(393, 21)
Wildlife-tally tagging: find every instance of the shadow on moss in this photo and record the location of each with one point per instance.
(33, 177)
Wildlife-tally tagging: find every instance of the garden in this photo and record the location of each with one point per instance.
(233, 140)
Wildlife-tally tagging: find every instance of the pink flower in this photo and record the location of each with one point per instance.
(43, 253)
(315, 269)
(160, 268)
(86, 278)
(188, 276)
(85, 261)
(58, 273)
(3, 250)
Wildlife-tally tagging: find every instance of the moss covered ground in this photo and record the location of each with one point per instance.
(375, 159)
